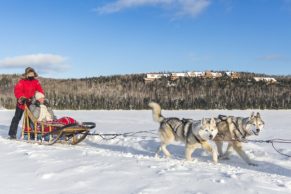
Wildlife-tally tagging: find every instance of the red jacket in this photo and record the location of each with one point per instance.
(26, 88)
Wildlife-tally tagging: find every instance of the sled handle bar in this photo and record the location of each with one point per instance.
(89, 125)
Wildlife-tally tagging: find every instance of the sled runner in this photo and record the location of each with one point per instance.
(64, 130)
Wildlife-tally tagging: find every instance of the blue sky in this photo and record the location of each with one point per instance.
(85, 38)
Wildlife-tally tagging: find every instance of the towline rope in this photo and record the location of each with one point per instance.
(110, 136)
(272, 141)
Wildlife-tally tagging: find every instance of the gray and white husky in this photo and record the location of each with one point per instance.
(193, 133)
(234, 130)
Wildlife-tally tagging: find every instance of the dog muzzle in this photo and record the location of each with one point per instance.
(252, 130)
(255, 130)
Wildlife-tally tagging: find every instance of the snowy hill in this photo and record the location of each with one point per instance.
(127, 165)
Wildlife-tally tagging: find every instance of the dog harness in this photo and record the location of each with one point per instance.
(184, 124)
(238, 123)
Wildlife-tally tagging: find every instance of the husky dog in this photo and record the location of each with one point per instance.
(193, 133)
(234, 130)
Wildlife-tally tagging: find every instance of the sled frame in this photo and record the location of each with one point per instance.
(71, 134)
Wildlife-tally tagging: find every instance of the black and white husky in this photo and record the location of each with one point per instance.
(193, 133)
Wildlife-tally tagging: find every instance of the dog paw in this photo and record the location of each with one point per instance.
(192, 160)
(223, 157)
(215, 160)
(252, 164)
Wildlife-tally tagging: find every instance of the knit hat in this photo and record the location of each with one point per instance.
(38, 95)
(30, 72)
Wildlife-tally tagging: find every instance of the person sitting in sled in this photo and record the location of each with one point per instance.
(42, 112)
(40, 109)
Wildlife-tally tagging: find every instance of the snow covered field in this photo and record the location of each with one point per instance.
(126, 165)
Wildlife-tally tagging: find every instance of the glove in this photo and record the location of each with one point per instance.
(37, 103)
(22, 100)
(46, 102)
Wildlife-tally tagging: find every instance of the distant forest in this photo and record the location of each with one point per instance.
(131, 92)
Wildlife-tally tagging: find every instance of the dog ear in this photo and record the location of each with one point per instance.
(212, 121)
(258, 115)
(203, 121)
(252, 115)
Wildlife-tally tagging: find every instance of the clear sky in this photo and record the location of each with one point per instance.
(85, 38)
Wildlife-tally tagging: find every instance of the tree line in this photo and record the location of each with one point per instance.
(131, 92)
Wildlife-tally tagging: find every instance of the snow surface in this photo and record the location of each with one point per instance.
(126, 165)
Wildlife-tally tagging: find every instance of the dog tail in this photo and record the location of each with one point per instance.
(156, 108)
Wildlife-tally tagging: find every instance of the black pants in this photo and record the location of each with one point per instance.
(15, 121)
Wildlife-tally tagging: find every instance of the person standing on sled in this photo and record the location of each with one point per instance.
(24, 90)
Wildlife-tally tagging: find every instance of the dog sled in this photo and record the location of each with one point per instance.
(65, 130)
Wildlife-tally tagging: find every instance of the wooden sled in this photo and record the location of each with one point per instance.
(51, 132)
